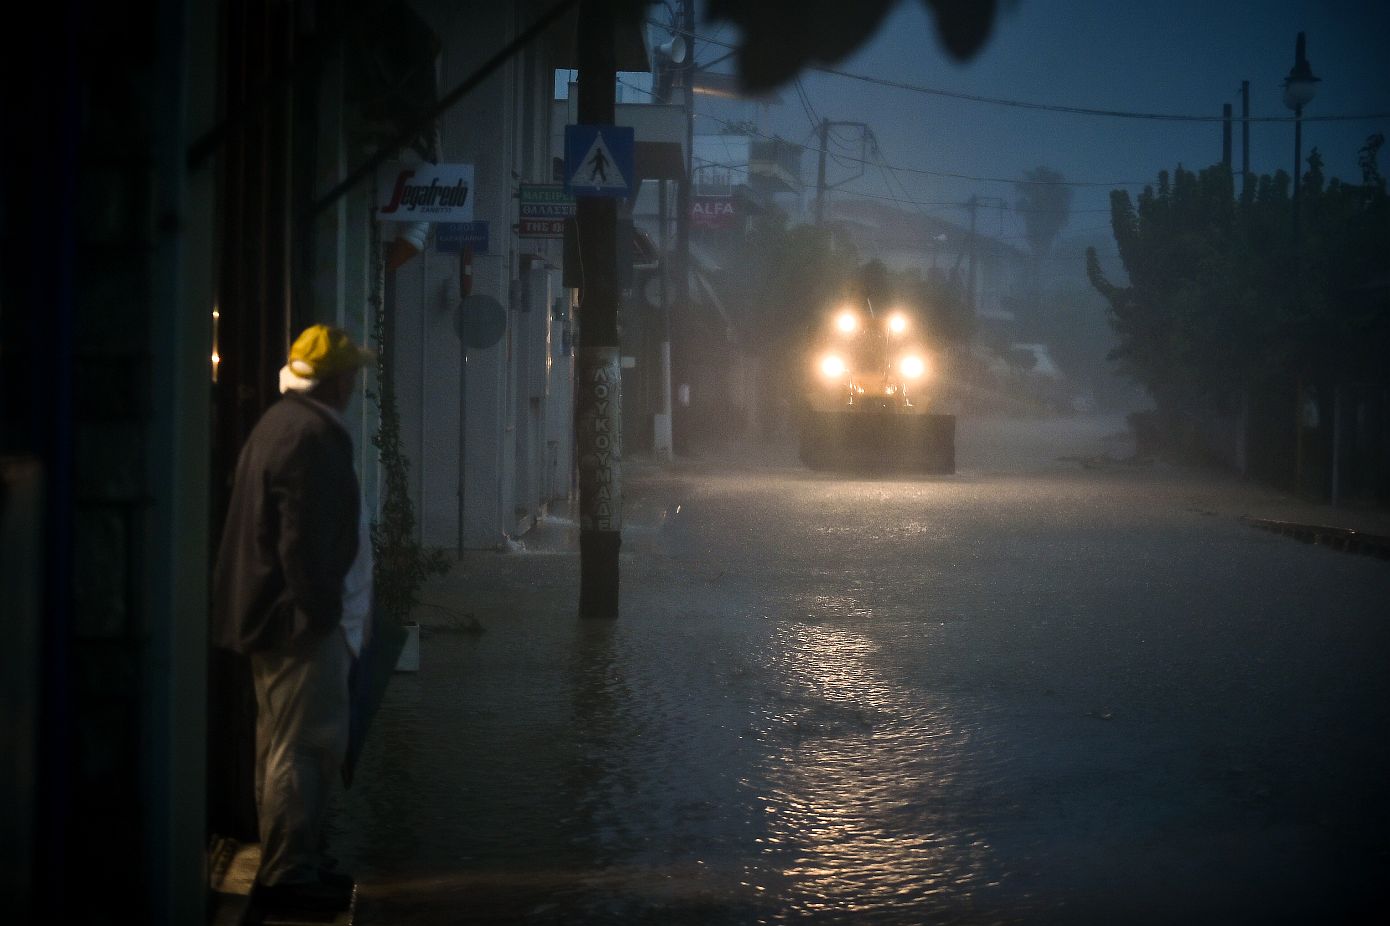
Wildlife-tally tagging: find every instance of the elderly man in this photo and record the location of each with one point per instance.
(292, 592)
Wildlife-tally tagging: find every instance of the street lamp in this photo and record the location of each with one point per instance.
(1299, 89)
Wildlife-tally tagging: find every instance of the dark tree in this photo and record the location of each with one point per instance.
(1220, 297)
(1044, 202)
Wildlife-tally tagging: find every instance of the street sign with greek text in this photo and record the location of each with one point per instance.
(544, 209)
(452, 237)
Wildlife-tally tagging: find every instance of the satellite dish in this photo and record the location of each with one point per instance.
(480, 322)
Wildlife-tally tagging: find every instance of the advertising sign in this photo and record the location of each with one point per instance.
(544, 208)
(713, 212)
(425, 193)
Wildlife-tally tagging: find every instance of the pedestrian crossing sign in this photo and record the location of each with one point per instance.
(599, 160)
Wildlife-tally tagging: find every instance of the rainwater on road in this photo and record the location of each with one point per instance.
(1051, 688)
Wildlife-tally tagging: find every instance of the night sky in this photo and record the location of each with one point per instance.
(1182, 57)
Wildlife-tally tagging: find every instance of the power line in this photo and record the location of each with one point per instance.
(920, 170)
(949, 174)
(810, 110)
(743, 169)
(1083, 110)
(1061, 108)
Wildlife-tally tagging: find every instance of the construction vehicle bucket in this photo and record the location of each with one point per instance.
(872, 440)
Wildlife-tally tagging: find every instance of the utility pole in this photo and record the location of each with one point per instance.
(1244, 135)
(865, 133)
(598, 415)
(972, 203)
(681, 304)
(1226, 135)
(668, 58)
(820, 173)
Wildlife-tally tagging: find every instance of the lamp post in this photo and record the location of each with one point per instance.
(1299, 89)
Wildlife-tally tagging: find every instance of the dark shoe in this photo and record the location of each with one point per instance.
(306, 897)
(340, 880)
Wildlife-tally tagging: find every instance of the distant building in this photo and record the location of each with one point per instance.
(913, 240)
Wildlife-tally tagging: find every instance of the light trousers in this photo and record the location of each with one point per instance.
(301, 738)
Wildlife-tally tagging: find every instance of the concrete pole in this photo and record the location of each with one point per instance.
(681, 303)
(661, 430)
(598, 417)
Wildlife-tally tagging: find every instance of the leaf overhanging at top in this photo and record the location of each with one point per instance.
(781, 37)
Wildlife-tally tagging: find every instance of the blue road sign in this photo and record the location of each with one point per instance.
(599, 160)
(450, 237)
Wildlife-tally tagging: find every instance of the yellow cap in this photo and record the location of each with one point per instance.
(322, 351)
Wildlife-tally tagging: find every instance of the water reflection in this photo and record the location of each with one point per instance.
(864, 802)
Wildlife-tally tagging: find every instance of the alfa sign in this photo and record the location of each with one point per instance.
(425, 193)
(544, 208)
(713, 212)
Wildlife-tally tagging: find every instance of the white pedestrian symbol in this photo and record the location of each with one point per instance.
(597, 169)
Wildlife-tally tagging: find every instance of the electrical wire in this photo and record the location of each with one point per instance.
(949, 174)
(806, 105)
(1062, 108)
(920, 170)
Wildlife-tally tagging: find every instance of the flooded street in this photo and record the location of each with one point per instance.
(1031, 692)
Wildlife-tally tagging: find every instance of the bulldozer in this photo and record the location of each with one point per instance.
(869, 398)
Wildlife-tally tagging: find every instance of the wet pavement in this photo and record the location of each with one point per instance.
(1052, 688)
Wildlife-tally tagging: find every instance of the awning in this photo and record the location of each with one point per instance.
(658, 160)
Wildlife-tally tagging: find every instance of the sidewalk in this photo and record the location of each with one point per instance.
(1349, 527)
(233, 872)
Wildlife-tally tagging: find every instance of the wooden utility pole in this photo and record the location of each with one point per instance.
(820, 174)
(1226, 135)
(598, 388)
(865, 133)
(972, 203)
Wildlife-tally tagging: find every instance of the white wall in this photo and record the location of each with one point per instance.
(502, 128)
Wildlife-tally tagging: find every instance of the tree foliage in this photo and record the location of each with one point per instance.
(789, 276)
(1044, 201)
(1219, 294)
(401, 564)
(780, 37)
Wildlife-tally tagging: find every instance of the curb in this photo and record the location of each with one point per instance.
(1341, 539)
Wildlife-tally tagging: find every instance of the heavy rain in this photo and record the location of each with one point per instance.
(695, 462)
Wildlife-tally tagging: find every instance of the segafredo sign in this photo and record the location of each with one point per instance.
(425, 193)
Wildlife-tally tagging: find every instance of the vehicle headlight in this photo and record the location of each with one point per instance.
(847, 321)
(912, 366)
(897, 323)
(832, 366)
